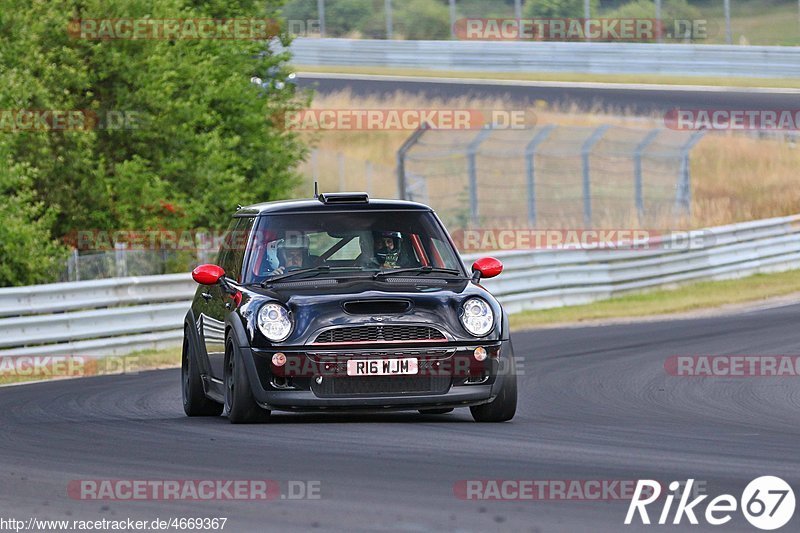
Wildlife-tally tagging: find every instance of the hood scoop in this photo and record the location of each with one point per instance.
(377, 307)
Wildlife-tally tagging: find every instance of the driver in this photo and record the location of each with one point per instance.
(387, 246)
(292, 254)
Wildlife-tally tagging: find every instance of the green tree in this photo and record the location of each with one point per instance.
(28, 253)
(197, 141)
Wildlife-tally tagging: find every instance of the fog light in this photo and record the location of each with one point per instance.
(480, 353)
(279, 359)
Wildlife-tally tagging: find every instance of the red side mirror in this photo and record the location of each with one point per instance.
(487, 267)
(207, 274)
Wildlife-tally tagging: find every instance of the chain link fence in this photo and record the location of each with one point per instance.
(123, 262)
(550, 176)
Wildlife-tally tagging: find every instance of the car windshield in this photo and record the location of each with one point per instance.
(345, 244)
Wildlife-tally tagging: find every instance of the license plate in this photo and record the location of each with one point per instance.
(381, 367)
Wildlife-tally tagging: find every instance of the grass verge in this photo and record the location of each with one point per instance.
(692, 297)
(648, 79)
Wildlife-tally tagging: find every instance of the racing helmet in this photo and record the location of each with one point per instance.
(382, 253)
(293, 241)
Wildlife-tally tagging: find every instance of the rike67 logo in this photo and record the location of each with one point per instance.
(767, 503)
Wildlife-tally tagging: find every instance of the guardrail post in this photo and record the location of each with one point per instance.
(401, 161)
(530, 154)
(637, 170)
(683, 197)
(472, 151)
(587, 182)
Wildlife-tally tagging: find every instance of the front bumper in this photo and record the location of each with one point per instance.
(445, 380)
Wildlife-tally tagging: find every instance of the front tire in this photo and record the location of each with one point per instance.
(195, 401)
(503, 407)
(240, 406)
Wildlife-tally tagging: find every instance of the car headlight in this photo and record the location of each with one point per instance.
(274, 322)
(477, 317)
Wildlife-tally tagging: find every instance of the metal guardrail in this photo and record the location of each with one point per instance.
(510, 56)
(100, 317)
(113, 316)
(546, 279)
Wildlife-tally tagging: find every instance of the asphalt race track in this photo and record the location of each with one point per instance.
(596, 404)
(631, 98)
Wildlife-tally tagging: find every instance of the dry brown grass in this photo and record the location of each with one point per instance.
(734, 177)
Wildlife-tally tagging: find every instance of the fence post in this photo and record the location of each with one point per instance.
(530, 154)
(637, 170)
(453, 19)
(73, 270)
(401, 161)
(472, 151)
(683, 198)
(389, 24)
(120, 259)
(587, 182)
(321, 15)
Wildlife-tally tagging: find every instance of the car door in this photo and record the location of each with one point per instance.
(216, 300)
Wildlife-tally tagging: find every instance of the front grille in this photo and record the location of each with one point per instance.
(377, 334)
(382, 385)
(343, 356)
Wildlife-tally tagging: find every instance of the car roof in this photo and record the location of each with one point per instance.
(312, 205)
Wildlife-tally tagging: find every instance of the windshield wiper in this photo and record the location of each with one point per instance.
(418, 270)
(315, 270)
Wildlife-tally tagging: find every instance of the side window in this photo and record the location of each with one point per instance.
(224, 248)
(234, 246)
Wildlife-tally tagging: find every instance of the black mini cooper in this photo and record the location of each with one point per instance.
(345, 303)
